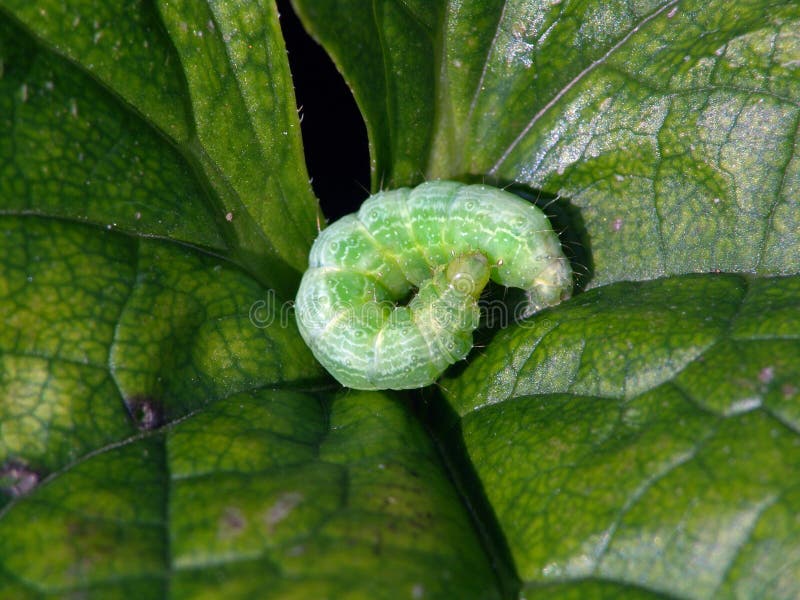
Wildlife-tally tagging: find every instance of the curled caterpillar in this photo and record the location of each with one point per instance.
(442, 238)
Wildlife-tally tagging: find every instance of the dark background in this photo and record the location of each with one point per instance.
(334, 135)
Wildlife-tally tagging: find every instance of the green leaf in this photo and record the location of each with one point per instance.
(143, 69)
(271, 493)
(104, 333)
(68, 150)
(668, 130)
(111, 322)
(646, 434)
(245, 118)
(243, 144)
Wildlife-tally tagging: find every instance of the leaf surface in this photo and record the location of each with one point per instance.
(213, 78)
(105, 334)
(267, 491)
(646, 434)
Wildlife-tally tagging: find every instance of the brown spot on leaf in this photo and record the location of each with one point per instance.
(231, 523)
(146, 413)
(17, 479)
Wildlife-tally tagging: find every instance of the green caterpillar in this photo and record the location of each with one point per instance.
(442, 238)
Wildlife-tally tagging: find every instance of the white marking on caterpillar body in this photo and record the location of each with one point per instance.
(445, 239)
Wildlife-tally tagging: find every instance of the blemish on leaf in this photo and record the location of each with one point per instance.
(743, 406)
(146, 413)
(766, 374)
(231, 523)
(16, 479)
(283, 506)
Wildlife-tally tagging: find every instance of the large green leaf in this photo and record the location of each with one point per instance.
(646, 434)
(105, 328)
(668, 129)
(267, 494)
(213, 77)
(104, 333)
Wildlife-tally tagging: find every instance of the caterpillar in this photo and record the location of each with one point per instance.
(443, 239)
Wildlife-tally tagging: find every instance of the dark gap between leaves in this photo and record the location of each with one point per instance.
(334, 134)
